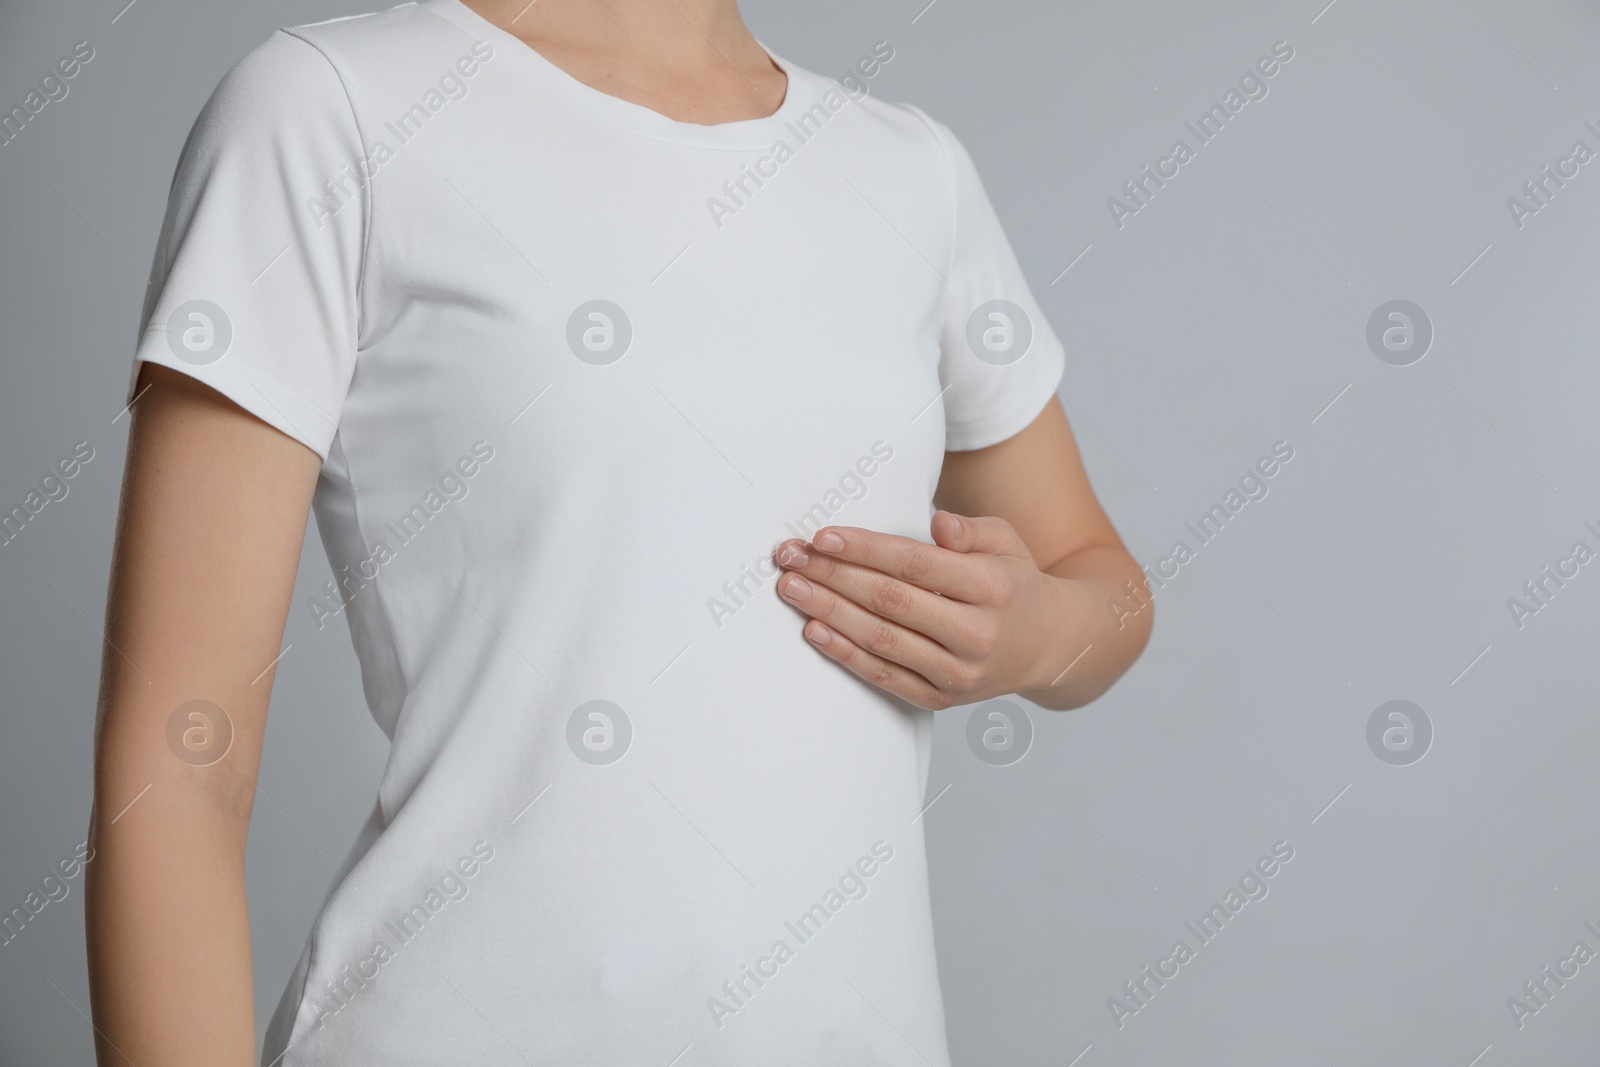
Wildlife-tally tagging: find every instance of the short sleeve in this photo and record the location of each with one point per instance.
(255, 285)
(1000, 361)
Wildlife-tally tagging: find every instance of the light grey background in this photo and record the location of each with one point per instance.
(1225, 316)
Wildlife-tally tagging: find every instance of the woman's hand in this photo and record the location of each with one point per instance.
(964, 619)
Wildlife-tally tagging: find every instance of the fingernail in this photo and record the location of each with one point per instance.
(796, 588)
(819, 634)
(791, 556)
(829, 542)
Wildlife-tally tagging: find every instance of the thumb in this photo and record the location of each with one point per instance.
(984, 534)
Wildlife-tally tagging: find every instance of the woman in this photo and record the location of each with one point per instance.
(620, 360)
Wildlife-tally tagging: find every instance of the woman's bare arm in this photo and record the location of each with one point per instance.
(1036, 481)
(214, 508)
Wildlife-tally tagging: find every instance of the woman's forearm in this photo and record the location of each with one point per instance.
(1099, 625)
(168, 926)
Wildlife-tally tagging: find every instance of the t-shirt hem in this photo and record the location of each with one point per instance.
(262, 396)
(1000, 426)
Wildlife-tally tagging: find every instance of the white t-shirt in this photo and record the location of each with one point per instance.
(575, 369)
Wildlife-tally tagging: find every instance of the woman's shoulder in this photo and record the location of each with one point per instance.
(346, 58)
(896, 128)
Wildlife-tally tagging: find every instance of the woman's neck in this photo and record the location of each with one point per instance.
(691, 60)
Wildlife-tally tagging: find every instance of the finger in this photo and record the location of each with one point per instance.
(890, 677)
(986, 534)
(872, 633)
(927, 566)
(946, 620)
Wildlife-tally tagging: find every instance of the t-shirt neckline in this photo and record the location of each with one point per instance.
(615, 111)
